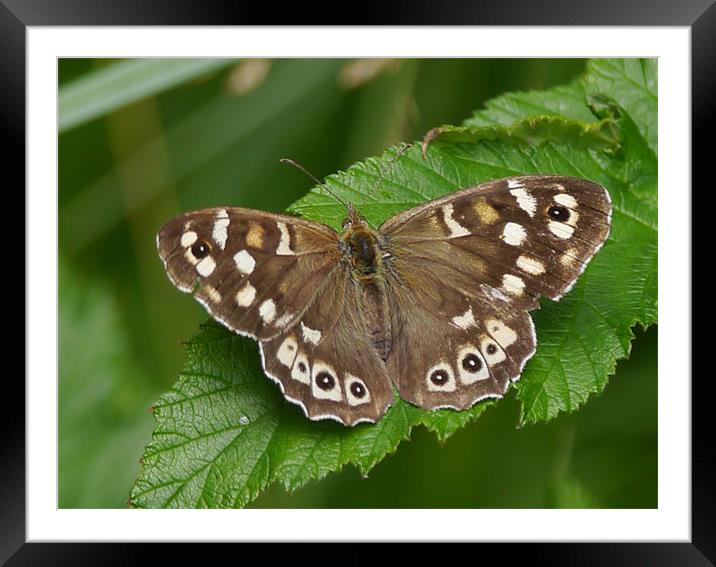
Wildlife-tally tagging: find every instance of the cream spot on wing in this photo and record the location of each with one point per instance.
(566, 199)
(246, 295)
(190, 257)
(255, 236)
(221, 225)
(491, 351)
(471, 366)
(212, 293)
(513, 183)
(525, 200)
(310, 335)
(283, 320)
(244, 262)
(456, 229)
(569, 258)
(494, 292)
(503, 334)
(284, 244)
(514, 234)
(530, 265)
(188, 238)
(267, 311)
(357, 392)
(286, 353)
(486, 212)
(206, 266)
(440, 378)
(560, 229)
(512, 284)
(301, 370)
(324, 382)
(465, 320)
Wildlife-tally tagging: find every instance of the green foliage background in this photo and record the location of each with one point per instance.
(143, 140)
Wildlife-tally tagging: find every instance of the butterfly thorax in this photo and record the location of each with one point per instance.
(361, 248)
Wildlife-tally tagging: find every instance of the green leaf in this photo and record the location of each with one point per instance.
(119, 84)
(224, 432)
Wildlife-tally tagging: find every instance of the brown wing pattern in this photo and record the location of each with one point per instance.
(253, 271)
(464, 270)
(326, 362)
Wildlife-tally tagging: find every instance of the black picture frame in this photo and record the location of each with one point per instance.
(17, 15)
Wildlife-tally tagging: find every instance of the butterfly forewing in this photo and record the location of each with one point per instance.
(253, 271)
(521, 236)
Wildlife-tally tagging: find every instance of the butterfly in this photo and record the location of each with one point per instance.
(435, 302)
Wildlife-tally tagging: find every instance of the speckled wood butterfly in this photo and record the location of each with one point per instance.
(435, 301)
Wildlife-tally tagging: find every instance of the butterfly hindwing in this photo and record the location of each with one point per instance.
(254, 272)
(326, 362)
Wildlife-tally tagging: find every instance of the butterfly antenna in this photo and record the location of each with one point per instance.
(297, 165)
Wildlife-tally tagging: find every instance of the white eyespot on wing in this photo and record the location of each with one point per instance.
(530, 265)
(560, 229)
(566, 200)
(441, 378)
(324, 382)
(212, 293)
(466, 320)
(525, 200)
(301, 370)
(287, 352)
(188, 238)
(310, 335)
(456, 229)
(267, 311)
(513, 285)
(491, 351)
(246, 295)
(503, 334)
(221, 225)
(244, 262)
(357, 392)
(514, 234)
(284, 244)
(471, 366)
(206, 266)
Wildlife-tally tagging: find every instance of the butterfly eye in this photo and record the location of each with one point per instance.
(347, 224)
(200, 249)
(558, 213)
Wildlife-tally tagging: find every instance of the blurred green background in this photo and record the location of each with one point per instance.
(142, 140)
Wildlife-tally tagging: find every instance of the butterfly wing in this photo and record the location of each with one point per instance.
(253, 271)
(326, 363)
(466, 269)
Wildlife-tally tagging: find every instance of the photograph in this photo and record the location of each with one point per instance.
(418, 283)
